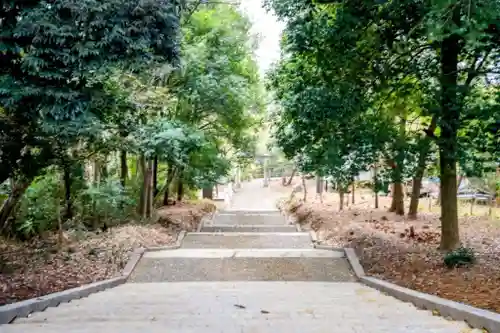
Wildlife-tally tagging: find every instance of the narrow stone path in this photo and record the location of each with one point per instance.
(247, 271)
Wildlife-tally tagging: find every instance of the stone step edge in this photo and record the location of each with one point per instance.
(249, 233)
(263, 226)
(245, 253)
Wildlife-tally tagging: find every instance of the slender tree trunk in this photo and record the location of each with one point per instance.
(17, 191)
(421, 166)
(415, 195)
(148, 188)
(104, 170)
(180, 189)
(168, 181)
(141, 209)
(375, 184)
(60, 232)
(97, 181)
(341, 197)
(68, 213)
(448, 147)
(353, 192)
(397, 205)
(123, 168)
(304, 188)
(155, 176)
(289, 182)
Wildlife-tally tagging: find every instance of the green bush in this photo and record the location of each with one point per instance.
(460, 257)
(107, 201)
(38, 209)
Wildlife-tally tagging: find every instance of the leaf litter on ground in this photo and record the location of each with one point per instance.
(405, 251)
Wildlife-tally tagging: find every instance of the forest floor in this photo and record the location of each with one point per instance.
(388, 248)
(38, 268)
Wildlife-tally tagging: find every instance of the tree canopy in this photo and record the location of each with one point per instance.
(362, 83)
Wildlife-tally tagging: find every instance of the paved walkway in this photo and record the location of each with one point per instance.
(246, 272)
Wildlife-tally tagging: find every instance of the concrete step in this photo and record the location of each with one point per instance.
(248, 228)
(247, 219)
(246, 240)
(228, 307)
(238, 268)
(244, 253)
(250, 212)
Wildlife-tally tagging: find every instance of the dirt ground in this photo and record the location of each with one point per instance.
(37, 268)
(406, 252)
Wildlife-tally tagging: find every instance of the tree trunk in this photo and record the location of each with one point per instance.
(448, 147)
(97, 181)
(421, 166)
(148, 187)
(155, 176)
(319, 185)
(397, 205)
(17, 191)
(375, 184)
(415, 194)
(104, 168)
(141, 209)
(353, 192)
(208, 192)
(68, 213)
(304, 188)
(289, 182)
(180, 190)
(341, 199)
(168, 181)
(123, 168)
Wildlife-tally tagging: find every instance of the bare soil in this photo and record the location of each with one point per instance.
(37, 268)
(405, 251)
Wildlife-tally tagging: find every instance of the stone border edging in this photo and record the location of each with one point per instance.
(10, 312)
(475, 317)
(174, 246)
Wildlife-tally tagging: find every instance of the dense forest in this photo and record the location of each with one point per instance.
(110, 109)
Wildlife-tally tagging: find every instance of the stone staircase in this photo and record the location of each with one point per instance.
(245, 272)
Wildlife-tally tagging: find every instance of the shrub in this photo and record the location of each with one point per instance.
(460, 257)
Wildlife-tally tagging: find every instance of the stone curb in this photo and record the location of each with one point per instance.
(174, 246)
(474, 317)
(314, 236)
(204, 219)
(354, 262)
(22, 309)
(329, 247)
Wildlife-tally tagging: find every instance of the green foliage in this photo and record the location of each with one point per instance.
(364, 80)
(83, 80)
(40, 206)
(107, 200)
(55, 57)
(460, 257)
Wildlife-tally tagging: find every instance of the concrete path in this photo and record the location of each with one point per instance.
(255, 276)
